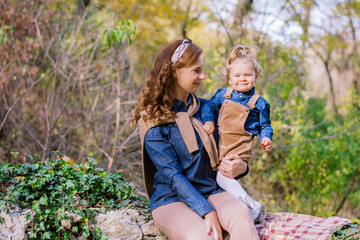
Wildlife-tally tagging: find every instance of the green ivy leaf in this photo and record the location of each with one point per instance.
(46, 235)
(97, 230)
(66, 236)
(43, 200)
(85, 233)
(32, 234)
(29, 216)
(54, 187)
(69, 184)
(104, 237)
(75, 229)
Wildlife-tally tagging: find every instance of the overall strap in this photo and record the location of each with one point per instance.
(228, 93)
(253, 100)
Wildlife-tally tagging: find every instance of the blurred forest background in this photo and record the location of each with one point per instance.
(71, 71)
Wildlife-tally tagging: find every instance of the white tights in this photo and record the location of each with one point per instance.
(231, 186)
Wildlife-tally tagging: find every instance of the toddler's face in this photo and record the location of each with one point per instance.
(242, 75)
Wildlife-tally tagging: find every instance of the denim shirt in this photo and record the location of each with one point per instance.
(258, 121)
(181, 176)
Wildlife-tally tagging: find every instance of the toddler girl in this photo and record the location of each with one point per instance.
(240, 114)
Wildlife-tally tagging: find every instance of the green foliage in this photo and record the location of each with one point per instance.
(55, 188)
(347, 231)
(319, 169)
(124, 31)
(4, 36)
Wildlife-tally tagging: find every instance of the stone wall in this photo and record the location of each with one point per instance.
(127, 224)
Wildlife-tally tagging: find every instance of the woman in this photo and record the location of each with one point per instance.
(180, 158)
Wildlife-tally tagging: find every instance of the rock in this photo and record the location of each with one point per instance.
(73, 218)
(118, 225)
(127, 224)
(150, 229)
(136, 215)
(15, 224)
(155, 238)
(161, 238)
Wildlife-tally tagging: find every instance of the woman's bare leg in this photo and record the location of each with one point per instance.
(178, 222)
(234, 216)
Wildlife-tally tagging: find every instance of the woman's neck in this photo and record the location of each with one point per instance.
(182, 97)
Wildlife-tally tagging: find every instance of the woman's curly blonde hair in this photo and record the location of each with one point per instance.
(157, 97)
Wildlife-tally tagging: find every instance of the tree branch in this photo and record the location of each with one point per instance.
(319, 139)
(22, 95)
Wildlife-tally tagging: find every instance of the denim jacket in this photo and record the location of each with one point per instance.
(181, 176)
(258, 121)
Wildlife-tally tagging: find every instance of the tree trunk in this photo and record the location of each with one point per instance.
(331, 83)
(243, 7)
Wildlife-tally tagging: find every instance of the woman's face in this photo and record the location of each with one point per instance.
(189, 79)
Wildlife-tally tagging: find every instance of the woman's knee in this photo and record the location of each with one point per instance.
(241, 208)
(231, 209)
(178, 222)
(234, 216)
(233, 206)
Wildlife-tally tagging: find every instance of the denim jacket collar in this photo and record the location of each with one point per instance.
(178, 104)
(248, 93)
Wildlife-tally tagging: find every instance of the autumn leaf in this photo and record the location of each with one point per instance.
(20, 178)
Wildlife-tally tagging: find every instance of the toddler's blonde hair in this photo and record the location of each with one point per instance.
(246, 53)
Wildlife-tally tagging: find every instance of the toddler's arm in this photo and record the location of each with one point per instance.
(266, 144)
(209, 127)
(266, 130)
(211, 108)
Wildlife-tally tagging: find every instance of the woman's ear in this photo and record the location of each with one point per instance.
(174, 72)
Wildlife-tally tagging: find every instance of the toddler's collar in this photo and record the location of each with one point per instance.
(248, 93)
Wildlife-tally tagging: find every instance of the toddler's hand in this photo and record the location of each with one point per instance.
(209, 127)
(266, 144)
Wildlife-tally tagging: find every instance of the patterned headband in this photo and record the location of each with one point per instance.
(180, 51)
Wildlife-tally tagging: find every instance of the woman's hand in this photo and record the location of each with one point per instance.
(232, 166)
(212, 224)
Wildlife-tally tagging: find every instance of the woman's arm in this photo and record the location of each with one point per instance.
(166, 161)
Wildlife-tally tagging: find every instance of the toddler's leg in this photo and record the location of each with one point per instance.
(234, 187)
(231, 185)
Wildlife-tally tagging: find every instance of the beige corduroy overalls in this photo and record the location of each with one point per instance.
(234, 139)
